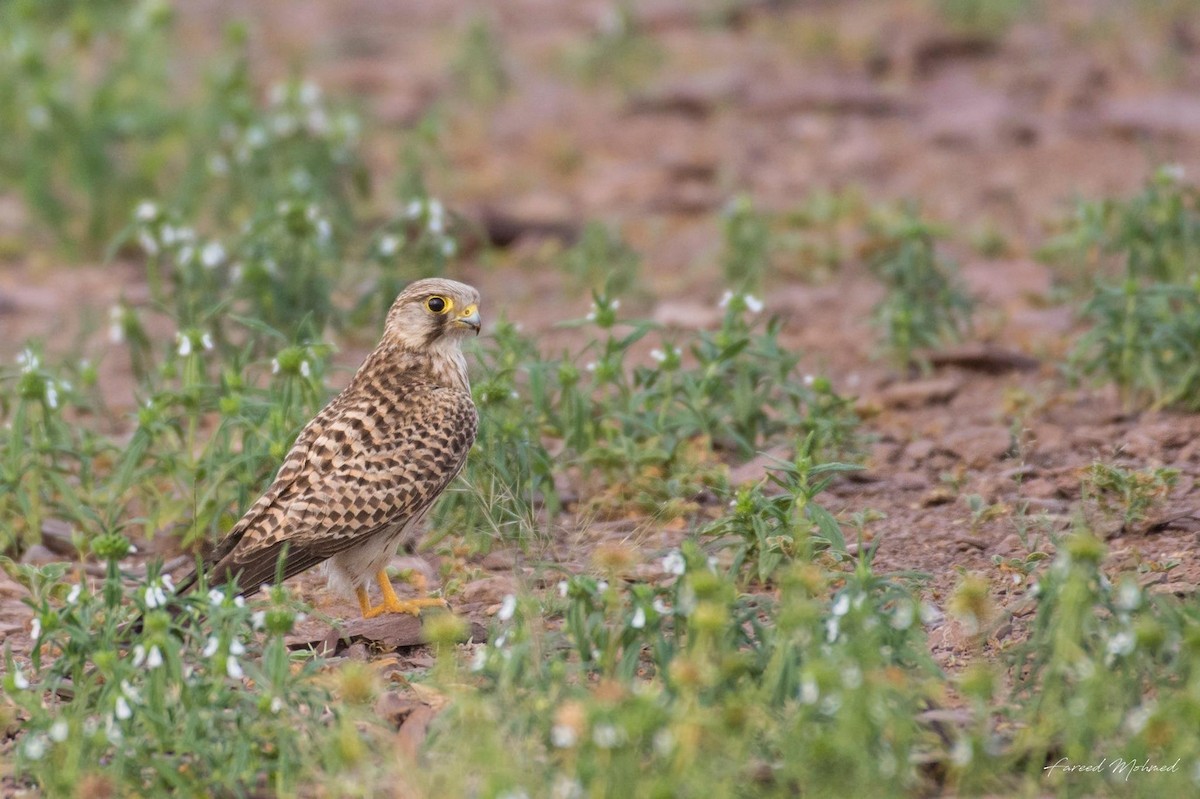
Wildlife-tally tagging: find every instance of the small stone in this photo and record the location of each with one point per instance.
(489, 590)
(979, 447)
(919, 393)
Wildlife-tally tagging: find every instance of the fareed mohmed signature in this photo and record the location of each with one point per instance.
(1117, 766)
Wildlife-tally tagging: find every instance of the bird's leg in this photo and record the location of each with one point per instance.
(392, 603)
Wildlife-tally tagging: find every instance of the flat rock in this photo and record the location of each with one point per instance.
(919, 393)
(979, 446)
(489, 590)
(1165, 116)
(389, 632)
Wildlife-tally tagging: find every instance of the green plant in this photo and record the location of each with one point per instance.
(619, 50)
(602, 262)
(746, 257)
(986, 17)
(205, 699)
(777, 521)
(1146, 339)
(925, 304)
(1131, 492)
(86, 107)
(479, 68)
(1151, 236)
(689, 688)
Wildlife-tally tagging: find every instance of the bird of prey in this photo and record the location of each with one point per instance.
(362, 474)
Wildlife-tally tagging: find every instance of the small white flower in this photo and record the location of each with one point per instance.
(1129, 596)
(961, 755)
(673, 562)
(660, 607)
(211, 647)
(35, 629)
(185, 345)
(614, 305)
(256, 137)
(658, 355)
(809, 380)
(563, 736)
(59, 731)
(155, 596)
(28, 361)
(123, 710)
(149, 245)
(206, 341)
(215, 597)
(591, 315)
(51, 394)
(309, 93)
(167, 582)
(664, 742)
(437, 221)
(274, 366)
(1175, 172)
(810, 692)
(725, 299)
(607, 736)
(130, 692)
(39, 117)
(305, 369)
(218, 165)
(139, 655)
(277, 94)
(1121, 644)
(501, 640)
(602, 586)
(154, 659)
(753, 304)
(239, 601)
(479, 659)
(833, 628)
(233, 668)
(169, 235)
(562, 588)
(258, 618)
(448, 248)
(841, 605)
(112, 731)
(35, 747)
(20, 681)
(413, 209)
(236, 647)
(73, 596)
(591, 366)
(276, 704)
(147, 211)
(389, 245)
(507, 608)
(639, 619)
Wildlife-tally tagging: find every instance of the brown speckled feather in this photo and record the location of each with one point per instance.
(368, 467)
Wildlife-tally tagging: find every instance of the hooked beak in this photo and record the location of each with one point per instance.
(469, 317)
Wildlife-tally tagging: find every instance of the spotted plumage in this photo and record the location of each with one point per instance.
(365, 471)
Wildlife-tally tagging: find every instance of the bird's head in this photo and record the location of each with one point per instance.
(433, 311)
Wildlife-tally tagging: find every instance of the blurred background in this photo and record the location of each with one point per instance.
(541, 124)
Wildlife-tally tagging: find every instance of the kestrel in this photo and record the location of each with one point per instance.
(363, 474)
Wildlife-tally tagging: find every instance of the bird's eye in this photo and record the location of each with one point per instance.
(437, 304)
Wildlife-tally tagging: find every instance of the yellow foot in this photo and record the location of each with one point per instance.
(392, 603)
